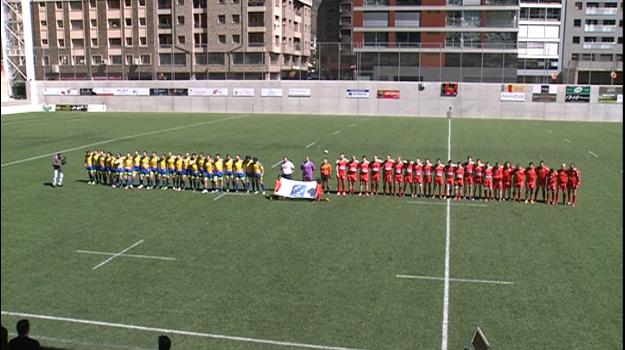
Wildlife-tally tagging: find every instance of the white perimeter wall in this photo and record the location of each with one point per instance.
(329, 97)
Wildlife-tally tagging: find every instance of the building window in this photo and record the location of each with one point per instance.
(236, 18)
(96, 60)
(221, 19)
(44, 42)
(590, 39)
(76, 25)
(115, 42)
(78, 43)
(607, 39)
(619, 57)
(578, 5)
(142, 21)
(182, 40)
(79, 60)
(61, 43)
(577, 23)
(142, 3)
(180, 20)
(75, 5)
(129, 41)
(127, 3)
(221, 39)
(42, 4)
(143, 41)
(44, 23)
(221, 2)
(620, 40)
(63, 60)
(574, 57)
(146, 59)
(93, 4)
(59, 24)
(129, 60)
(236, 38)
(94, 23)
(113, 4)
(575, 40)
(115, 59)
(59, 5)
(180, 2)
(94, 42)
(45, 60)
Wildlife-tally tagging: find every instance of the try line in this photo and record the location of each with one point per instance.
(99, 143)
(177, 332)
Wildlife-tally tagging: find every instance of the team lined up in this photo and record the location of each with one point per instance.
(197, 172)
(468, 180)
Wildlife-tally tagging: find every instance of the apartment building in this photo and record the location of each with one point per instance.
(171, 39)
(431, 40)
(335, 50)
(593, 42)
(540, 36)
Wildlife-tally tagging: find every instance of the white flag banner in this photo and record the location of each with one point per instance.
(243, 92)
(297, 189)
(54, 91)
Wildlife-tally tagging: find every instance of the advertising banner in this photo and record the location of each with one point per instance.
(544, 93)
(96, 108)
(297, 189)
(208, 92)
(389, 94)
(357, 93)
(298, 92)
(270, 92)
(577, 93)
(243, 92)
(53, 91)
(610, 94)
(449, 89)
(71, 108)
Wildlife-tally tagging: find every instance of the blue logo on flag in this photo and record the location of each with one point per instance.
(298, 191)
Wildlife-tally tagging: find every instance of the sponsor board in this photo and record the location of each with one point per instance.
(243, 92)
(299, 92)
(208, 92)
(96, 107)
(357, 93)
(169, 92)
(512, 93)
(577, 93)
(388, 94)
(512, 88)
(544, 93)
(270, 92)
(449, 89)
(50, 91)
(71, 108)
(48, 108)
(610, 94)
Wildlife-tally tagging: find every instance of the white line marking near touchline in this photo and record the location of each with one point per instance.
(593, 154)
(99, 143)
(336, 132)
(276, 164)
(549, 131)
(126, 255)
(116, 255)
(220, 196)
(453, 279)
(311, 144)
(567, 140)
(177, 332)
(352, 125)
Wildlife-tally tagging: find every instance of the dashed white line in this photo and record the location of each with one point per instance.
(351, 125)
(336, 132)
(116, 255)
(126, 255)
(220, 196)
(276, 164)
(454, 279)
(567, 140)
(549, 131)
(311, 144)
(176, 332)
(593, 154)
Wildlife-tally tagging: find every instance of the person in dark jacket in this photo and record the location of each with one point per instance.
(22, 341)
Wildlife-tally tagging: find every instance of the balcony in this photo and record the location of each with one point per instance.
(463, 22)
(601, 11)
(599, 28)
(599, 46)
(251, 3)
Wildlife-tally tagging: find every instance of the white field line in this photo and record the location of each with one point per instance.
(453, 279)
(549, 131)
(567, 140)
(336, 132)
(351, 125)
(84, 345)
(127, 255)
(593, 154)
(220, 196)
(311, 144)
(99, 143)
(454, 204)
(445, 322)
(276, 164)
(176, 332)
(116, 255)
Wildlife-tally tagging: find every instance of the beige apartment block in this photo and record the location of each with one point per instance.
(171, 39)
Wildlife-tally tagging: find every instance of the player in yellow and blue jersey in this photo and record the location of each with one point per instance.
(153, 171)
(89, 167)
(208, 173)
(257, 181)
(144, 174)
(228, 173)
(128, 170)
(239, 173)
(218, 173)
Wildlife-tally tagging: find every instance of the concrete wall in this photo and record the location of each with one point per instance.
(329, 97)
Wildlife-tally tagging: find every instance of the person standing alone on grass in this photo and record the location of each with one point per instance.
(326, 171)
(23, 341)
(287, 168)
(308, 169)
(57, 164)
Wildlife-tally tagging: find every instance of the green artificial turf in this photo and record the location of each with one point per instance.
(310, 273)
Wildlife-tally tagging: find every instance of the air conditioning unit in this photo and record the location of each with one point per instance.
(55, 68)
(137, 61)
(104, 62)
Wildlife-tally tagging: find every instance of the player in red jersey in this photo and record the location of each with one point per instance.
(399, 177)
(478, 179)
(468, 178)
(376, 167)
(409, 178)
(439, 172)
(352, 174)
(519, 183)
(530, 174)
(450, 173)
(541, 180)
(508, 171)
(563, 179)
(498, 181)
(364, 176)
(574, 181)
(488, 182)
(388, 166)
(417, 184)
(427, 177)
(459, 183)
(341, 174)
(552, 186)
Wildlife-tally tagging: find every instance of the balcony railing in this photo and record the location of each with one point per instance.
(601, 11)
(599, 28)
(256, 3)
(256, 44)
(600, 46)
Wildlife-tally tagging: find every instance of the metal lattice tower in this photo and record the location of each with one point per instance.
(17, 41)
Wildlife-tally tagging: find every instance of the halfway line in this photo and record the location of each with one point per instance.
(155, 132)
(173, 331)
(594, 154)
(445, 323)
(116, 255)
(453, 279)
(454, 204)
(127, 255)
(311, 144)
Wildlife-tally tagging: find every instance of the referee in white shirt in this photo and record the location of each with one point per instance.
(287, 168)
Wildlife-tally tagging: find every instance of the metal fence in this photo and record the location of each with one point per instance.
(458, 60)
